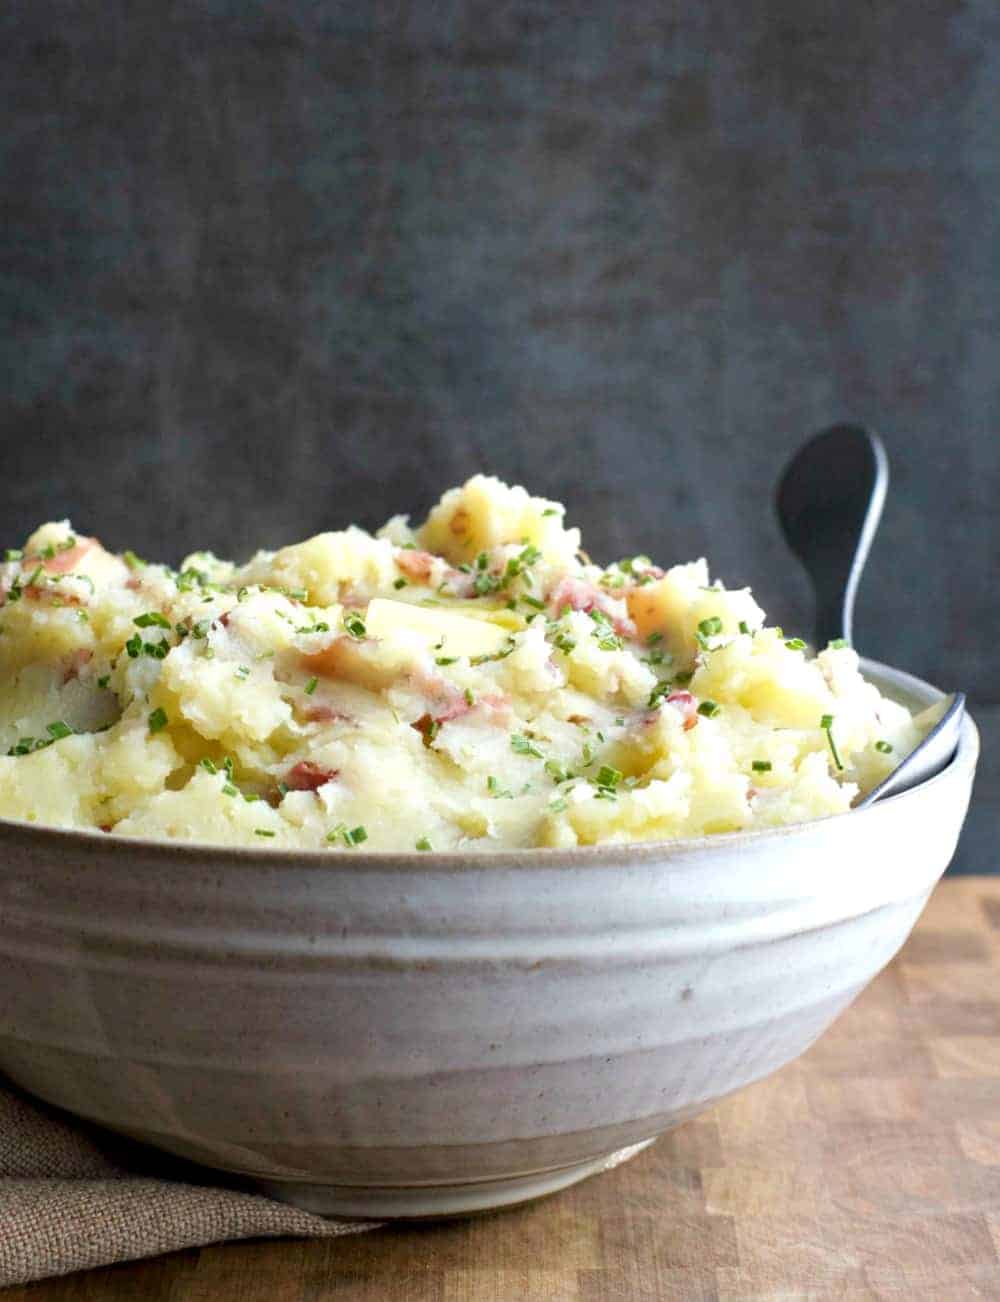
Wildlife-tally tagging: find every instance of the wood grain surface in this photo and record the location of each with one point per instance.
(869, 1169)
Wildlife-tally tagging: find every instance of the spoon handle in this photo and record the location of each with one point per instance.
(829, 501)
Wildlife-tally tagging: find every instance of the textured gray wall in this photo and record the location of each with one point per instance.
(272, 267)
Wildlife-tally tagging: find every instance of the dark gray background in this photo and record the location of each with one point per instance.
(273, 267)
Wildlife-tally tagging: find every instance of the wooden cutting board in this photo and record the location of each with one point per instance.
(869, 1169)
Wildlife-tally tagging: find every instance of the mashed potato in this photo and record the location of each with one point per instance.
(473, 683)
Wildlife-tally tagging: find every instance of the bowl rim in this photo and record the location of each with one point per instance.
(611, 852)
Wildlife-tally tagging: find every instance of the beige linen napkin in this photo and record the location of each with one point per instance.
(73, 1196)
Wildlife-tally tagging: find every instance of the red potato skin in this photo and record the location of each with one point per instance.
(307, 776)
(348, 659)
(323, 714)
(416, 565)
(61, 563)
(685, 704)
(579, 595)
(64, 562)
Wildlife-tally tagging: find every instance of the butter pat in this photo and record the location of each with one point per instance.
(450, 634)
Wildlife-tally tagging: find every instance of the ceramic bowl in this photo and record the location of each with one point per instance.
(414, 1035)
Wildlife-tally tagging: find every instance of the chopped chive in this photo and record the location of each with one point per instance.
(564, 642)
(826, 723)
(355, 626)
(884, 746)
(103, 680)
(761, 766)
(229, 790)
(243, 671)
(661, 690)
(502, 654)
(355, 836)
(523, 746)
(399, 583)
(549, 510)
(157, 720)
(208, 765)
(13, 554)
(424, 844)
(58, 730)
(310, 687)
(709, 709)
(150, 619)
(838, 644)
(241, 596)
(654, 638)
(534, 602)
(795, 644)
(556, 771)
(744, 627)
(608, 777)
(262, 831)
(446, 660)
(710, 627)
(132, 561)
(558, 805)
(469, 698)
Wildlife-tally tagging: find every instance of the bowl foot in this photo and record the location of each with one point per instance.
(415, 1202)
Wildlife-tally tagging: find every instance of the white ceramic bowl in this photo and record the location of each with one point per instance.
(410, 1035)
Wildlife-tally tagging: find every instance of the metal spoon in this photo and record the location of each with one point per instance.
(932, 755)
(829, 501)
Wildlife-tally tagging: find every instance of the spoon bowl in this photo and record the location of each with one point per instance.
(933, 754)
